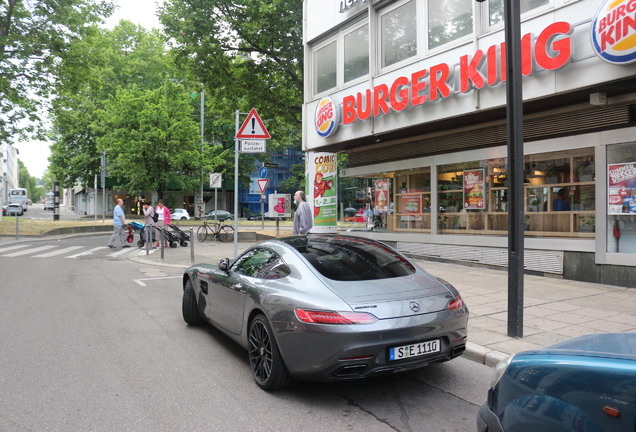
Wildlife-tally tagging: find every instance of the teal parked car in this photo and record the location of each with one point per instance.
(586, 384)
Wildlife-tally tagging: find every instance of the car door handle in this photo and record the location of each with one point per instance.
(238, 287)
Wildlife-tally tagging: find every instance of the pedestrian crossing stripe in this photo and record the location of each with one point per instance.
(29, 251)
(10, 248)
(58, 252)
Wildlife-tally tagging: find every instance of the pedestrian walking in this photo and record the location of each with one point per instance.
(119, 222)
(303, 218)
(149, 214)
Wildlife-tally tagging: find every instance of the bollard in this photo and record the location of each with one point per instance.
(161, 244)
(148, 238)
(191, 245)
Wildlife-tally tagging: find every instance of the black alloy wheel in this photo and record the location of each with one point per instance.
(267, 365)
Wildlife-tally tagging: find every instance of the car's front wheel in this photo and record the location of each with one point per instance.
(268, 369)
(189, 307)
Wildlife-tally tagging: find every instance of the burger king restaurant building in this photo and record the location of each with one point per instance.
(414, 92)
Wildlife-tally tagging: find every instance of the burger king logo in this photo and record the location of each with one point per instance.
(326, 118)
(614, 31)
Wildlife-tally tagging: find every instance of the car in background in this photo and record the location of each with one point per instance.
(4, 210)
(268, 217)
(327, 308)
(14, 210)
(358, 217)
(219, 215)
(583, 384)
(180, 214)
(48, 205)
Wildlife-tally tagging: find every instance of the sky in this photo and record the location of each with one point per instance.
(34, 154)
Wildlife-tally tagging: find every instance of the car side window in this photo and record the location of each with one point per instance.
(261, 263)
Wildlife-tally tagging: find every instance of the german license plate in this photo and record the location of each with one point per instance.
(414, 350)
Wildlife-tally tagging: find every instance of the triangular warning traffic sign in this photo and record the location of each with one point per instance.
(253, 127)
(262, 183)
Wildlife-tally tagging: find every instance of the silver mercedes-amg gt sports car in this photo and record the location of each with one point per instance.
(327, 308)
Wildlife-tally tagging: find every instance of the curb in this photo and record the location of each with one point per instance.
(484, 355)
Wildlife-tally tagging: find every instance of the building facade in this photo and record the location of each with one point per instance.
(414, 92)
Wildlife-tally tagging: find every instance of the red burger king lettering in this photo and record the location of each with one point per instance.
(550, 50)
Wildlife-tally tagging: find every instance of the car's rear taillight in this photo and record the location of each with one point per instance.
(325, 317)
(458, 303)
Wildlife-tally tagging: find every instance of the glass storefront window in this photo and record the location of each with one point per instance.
(412, 201)
(621, 198)
(356, 53)
(398, 32)
(462, 196)
(448, 20)
(325, 71)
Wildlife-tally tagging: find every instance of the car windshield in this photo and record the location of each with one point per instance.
(351, 259)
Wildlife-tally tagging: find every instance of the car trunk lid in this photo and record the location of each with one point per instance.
(404, 296)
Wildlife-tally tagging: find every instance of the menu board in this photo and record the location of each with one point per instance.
(621, 188)
(474, 189)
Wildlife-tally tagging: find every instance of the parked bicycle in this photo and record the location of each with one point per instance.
(225, 233)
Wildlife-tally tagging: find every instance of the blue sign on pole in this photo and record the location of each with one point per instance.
(262, 172)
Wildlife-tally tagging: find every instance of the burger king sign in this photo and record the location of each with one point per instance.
(614, 31)
(326, 118)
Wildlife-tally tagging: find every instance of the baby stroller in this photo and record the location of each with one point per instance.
(169, 236)
(138, 227)
(180, 234)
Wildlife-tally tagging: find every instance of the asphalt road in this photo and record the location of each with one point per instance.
(94, 341)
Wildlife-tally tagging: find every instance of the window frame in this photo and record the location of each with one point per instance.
(339, 37)
(418, 35)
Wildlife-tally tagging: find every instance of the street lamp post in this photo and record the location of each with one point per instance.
(514, 128)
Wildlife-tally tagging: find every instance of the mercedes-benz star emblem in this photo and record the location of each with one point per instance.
(414, 307)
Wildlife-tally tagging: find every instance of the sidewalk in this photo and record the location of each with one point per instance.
(555, 309)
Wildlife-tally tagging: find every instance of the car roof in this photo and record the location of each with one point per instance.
(611, 345)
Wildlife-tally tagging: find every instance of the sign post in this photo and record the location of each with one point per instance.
(252, 134)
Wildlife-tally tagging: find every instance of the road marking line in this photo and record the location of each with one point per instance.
(141, 283)
(121, 252)
(88, 252)
(6, 249)
(58, 252)
(29, 251)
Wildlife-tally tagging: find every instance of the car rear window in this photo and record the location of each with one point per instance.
(351, 259)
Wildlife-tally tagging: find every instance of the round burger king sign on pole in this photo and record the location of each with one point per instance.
(326, 118)
(614, 31)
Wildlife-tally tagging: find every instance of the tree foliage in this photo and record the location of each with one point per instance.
(34, 38)
(151, 139)
(247, 54)
(94, 70)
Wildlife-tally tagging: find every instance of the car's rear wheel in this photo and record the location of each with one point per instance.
(268, 369)
(189, 307)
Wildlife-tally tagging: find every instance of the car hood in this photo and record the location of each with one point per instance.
(613, 345)
(416, 294)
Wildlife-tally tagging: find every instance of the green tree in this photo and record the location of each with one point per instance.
(94, 69)
(34, 38)
(151, 139)
(247, 54)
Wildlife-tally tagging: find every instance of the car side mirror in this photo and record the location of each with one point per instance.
(224, 264)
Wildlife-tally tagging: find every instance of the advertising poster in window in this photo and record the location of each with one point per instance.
(322, 169)
(382, 195)
(411, 203)
(621, 185)
(474, 189)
